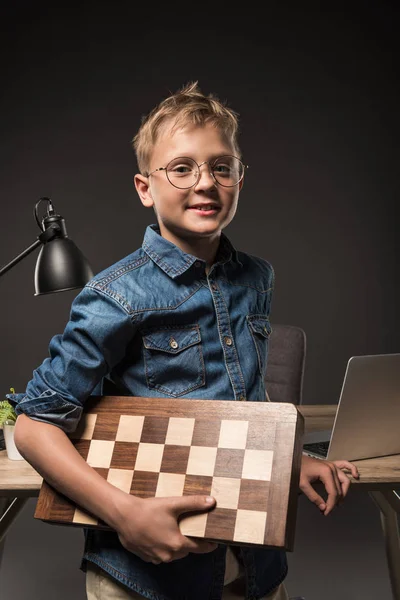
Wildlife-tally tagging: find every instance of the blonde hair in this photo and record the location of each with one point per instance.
(188, 106)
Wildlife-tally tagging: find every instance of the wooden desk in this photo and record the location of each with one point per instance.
(380, 477)
(375, 473)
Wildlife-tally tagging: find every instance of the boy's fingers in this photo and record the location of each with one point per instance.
(344, 482)
(186, 504)
(312, 495)
(345, 464)
(333, 476)
(331, 483)
(200, 546)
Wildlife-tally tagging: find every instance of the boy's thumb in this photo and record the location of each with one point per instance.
(192, 503)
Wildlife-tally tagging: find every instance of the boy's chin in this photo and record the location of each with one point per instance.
(204, 232)
(205, 226)
(197, 233)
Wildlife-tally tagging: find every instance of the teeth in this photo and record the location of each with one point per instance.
(209, 207)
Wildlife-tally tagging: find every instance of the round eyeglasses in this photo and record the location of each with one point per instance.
(184, 172)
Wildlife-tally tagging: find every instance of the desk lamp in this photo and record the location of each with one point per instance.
(60, 266)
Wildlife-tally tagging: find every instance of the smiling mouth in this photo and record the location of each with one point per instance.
(205, 207)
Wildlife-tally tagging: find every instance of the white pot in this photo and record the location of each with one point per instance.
(11, 448)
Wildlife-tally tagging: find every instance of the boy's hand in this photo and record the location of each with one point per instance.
(149, 527)
(336, 482)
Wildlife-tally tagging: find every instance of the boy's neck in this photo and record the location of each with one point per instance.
(206, 249)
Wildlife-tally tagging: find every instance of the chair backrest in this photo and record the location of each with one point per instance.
(285, 364)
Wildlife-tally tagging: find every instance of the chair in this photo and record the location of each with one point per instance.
(285, 365)
(285, 368)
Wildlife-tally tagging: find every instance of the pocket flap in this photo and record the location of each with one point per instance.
(172, 339)
(260, 324)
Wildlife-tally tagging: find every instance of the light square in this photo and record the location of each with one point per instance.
(85, 427)
(82, 517)
(226, 491)
(121, 478)
(250, 526)
(129, 428)
(194, 525)
(257, 464)
(100, 453)
(170, 484)
(233, 434)
(180, 431)
(149, 457)
(201, 460)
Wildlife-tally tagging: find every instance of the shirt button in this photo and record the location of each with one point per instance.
(228, 341)
(173, 343)
(214, 286)
(197, 264)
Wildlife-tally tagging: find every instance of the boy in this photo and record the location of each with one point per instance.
(186, 315)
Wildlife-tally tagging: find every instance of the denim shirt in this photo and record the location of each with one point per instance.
(117, 342)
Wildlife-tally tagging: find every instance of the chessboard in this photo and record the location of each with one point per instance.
(245, 454)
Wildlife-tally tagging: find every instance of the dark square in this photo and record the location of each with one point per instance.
(175, 459)
(144, 484)
(197, 484)
(154, 430)
(124, 455)
(221, 524)
(102, 471)
(229, 462)
(253, 494)
(106, 427)
(82, 446)
(206, 433)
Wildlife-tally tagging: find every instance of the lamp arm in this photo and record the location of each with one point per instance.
(45, 236)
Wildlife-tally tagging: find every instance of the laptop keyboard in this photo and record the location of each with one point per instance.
(320, 448)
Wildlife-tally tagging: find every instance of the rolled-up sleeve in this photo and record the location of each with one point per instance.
(94, 341)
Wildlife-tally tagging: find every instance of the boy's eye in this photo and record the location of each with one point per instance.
(220, 169)
(180, 168)
(229, 169)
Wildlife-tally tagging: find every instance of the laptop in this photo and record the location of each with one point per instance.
(367, 421)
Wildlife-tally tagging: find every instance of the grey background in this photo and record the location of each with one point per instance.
(318, 94)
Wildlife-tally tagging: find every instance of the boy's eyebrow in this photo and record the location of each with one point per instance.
(211, 157)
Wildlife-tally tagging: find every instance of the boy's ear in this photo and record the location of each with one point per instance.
(241, 184)
(143, 189)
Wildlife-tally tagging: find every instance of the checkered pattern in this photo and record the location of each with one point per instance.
(161, 457)
(245, 454)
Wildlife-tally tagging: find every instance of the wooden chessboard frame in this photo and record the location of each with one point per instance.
(156, 446)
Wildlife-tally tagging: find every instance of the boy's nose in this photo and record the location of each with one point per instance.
(206, 180)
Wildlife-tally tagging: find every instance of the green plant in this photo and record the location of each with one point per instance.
(7, 412)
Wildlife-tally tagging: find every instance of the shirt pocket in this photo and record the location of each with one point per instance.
(260, 329)
(173, 360)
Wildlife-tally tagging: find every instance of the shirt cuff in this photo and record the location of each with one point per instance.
(49, 408)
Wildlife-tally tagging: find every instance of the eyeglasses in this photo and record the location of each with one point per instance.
(184, 172)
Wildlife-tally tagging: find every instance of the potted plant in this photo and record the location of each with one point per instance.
(8, 419)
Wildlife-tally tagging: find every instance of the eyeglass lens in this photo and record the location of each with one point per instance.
(184, 172)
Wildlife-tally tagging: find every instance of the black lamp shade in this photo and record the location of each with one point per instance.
(60, 266)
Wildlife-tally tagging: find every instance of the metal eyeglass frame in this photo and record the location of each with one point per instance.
(210, 165)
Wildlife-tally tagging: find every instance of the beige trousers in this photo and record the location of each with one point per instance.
(100, 586)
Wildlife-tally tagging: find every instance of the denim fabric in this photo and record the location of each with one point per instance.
(156, 325)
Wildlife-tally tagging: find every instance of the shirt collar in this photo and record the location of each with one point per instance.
(172, 260)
